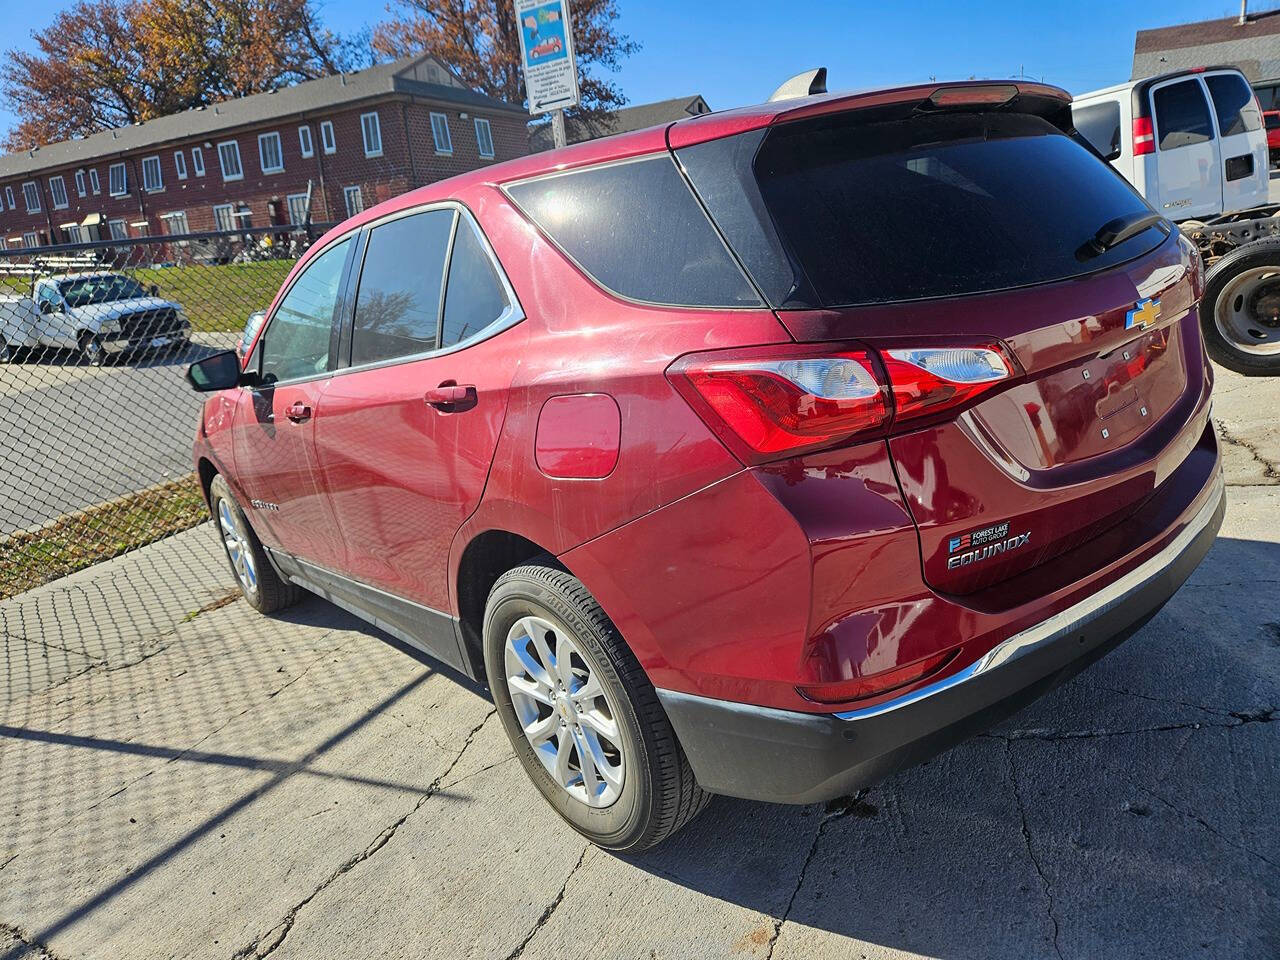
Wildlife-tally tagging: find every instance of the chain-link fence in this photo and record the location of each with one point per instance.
(96, 417)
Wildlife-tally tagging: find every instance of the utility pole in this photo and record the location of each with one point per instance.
(557, 128)
(1244, 12)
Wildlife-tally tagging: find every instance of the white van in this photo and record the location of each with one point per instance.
(1192, 142)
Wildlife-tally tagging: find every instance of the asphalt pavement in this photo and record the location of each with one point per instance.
(185, 778)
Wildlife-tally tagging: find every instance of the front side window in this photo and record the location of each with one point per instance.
(229, 160)
(197, 161)
(371, 131)
(638, 231)
(1182, 116)
(269, 154)
(117, 180)
(484, 138)
(152, 179)
(326, 137)
(1233, 102)
(94, 185)
(474, 296)
(58, 191)
(296, 344)
(304, 142)
(398, 304)
(180, 164)
(440, 133)
(31, 194)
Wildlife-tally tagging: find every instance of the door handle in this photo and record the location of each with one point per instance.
(298, 412)
(451, 397)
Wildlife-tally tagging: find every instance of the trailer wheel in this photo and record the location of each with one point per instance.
(1240, 310)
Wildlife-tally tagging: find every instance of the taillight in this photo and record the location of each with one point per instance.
(1144, 137)
(859, 688)
(772, 402)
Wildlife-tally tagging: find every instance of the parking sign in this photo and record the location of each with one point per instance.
(546, 54)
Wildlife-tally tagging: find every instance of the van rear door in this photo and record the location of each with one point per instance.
(1243, 141)
(1188, 163)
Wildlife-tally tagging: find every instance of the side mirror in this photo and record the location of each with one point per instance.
(218, 372)
(154, 290)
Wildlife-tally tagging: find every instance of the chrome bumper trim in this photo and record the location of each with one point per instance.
(1047, 631)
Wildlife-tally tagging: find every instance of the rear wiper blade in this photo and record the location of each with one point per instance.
(1117, 231)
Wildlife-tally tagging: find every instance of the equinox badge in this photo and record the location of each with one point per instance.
(978, 545)
(1144, 314)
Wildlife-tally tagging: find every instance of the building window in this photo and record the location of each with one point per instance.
(94, 185)
(197, 161)
(304, 142)
(180, 164)
(222, 219)
(484, 137)
(117, 180)
(30, 240)
(152, 179)
(176, 223)
(142, 227)
(229, 160)
(31, 194)
(58, 191)
(297, 208)
(371, 130)
(119, 231)
(269, 154)
(8, 198)
(329, 144)
(355, 200)
(440, 133)
(73, 232)
(80, 191)
(3, 244)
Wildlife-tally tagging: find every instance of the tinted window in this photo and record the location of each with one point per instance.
(637, 230)
(1268, 96)
(297, 342)
(1233, 100)
(1099, 123)
(474, 297)
(927, 207)
(1182, 116)
(398, 305)
(1273, 120)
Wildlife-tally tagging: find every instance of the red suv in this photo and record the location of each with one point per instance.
(762, 454)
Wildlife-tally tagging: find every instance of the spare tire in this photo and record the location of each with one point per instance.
(1240, 310)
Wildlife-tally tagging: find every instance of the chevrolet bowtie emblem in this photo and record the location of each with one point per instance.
(1144, 314)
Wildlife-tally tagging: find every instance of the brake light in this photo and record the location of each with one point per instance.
(859, 688)
(766, 403)
(992, 94)
(1144, 137)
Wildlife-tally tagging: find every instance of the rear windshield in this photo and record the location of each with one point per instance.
(833, 212)
(1233, 100)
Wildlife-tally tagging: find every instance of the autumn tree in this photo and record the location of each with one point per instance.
(480, 40)
(109, 63)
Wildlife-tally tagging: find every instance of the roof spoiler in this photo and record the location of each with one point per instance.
(802, 85)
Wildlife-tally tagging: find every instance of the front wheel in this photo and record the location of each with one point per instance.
(265, 590)
(6, 351)
(1240, 310)
(91, 348)
(582, 715)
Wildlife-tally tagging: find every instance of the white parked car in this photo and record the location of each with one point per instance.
(91, 313)
(1192, 142)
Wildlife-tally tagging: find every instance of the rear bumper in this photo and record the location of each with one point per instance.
(784, 756)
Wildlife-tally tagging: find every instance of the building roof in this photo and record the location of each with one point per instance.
(1206, 32)
(623, 120)
(424, 77)
(1253, 46)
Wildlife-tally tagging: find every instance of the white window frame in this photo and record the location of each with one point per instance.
(123, 232)
(95, 185)
(222, 165)
(124, 180)
(197, 161)
(60, 188)
(152, 165)
(371, 149)
(447, 149)
(74, 232)
(168, 219)
(27, 196)
(30, 240)
(263, 139)
(231, 216)
(483, 124)
(328, 142)
(4, 245)
(180, 164)
(305, 144)
(288, 206)
(10, 202)
(348, 193)
(81, 190)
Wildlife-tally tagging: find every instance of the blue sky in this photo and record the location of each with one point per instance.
(736, 53)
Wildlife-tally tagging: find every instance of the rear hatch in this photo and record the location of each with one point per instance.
(968, 220)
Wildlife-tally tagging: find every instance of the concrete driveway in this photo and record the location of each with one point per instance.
(180, 777)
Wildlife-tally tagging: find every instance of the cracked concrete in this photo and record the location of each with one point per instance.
(227, 785)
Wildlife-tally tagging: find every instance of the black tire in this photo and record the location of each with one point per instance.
(271, 592)
(659, 794)
(6, 351)
(92, 350)
(1251, 256)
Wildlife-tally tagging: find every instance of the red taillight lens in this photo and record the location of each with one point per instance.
(1144, 137)
(929, 380)
(778, 404)
(859, 688)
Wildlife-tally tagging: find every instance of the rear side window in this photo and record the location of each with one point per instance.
(635, 228)
(1099, 123)
(474, 297)
(933, 206)
(1233, 100)
(398, 304)
(1182, 116)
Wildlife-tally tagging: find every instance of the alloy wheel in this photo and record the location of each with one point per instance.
(563, 709)
(238, 548)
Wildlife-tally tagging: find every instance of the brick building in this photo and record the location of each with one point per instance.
(1250, 42)
(355, 139)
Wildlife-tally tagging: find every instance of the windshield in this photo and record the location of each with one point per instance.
(83, 291)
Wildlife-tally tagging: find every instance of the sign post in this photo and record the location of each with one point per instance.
(546, 56)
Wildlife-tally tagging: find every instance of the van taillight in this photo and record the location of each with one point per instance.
(767, 403)
(1144, 137)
